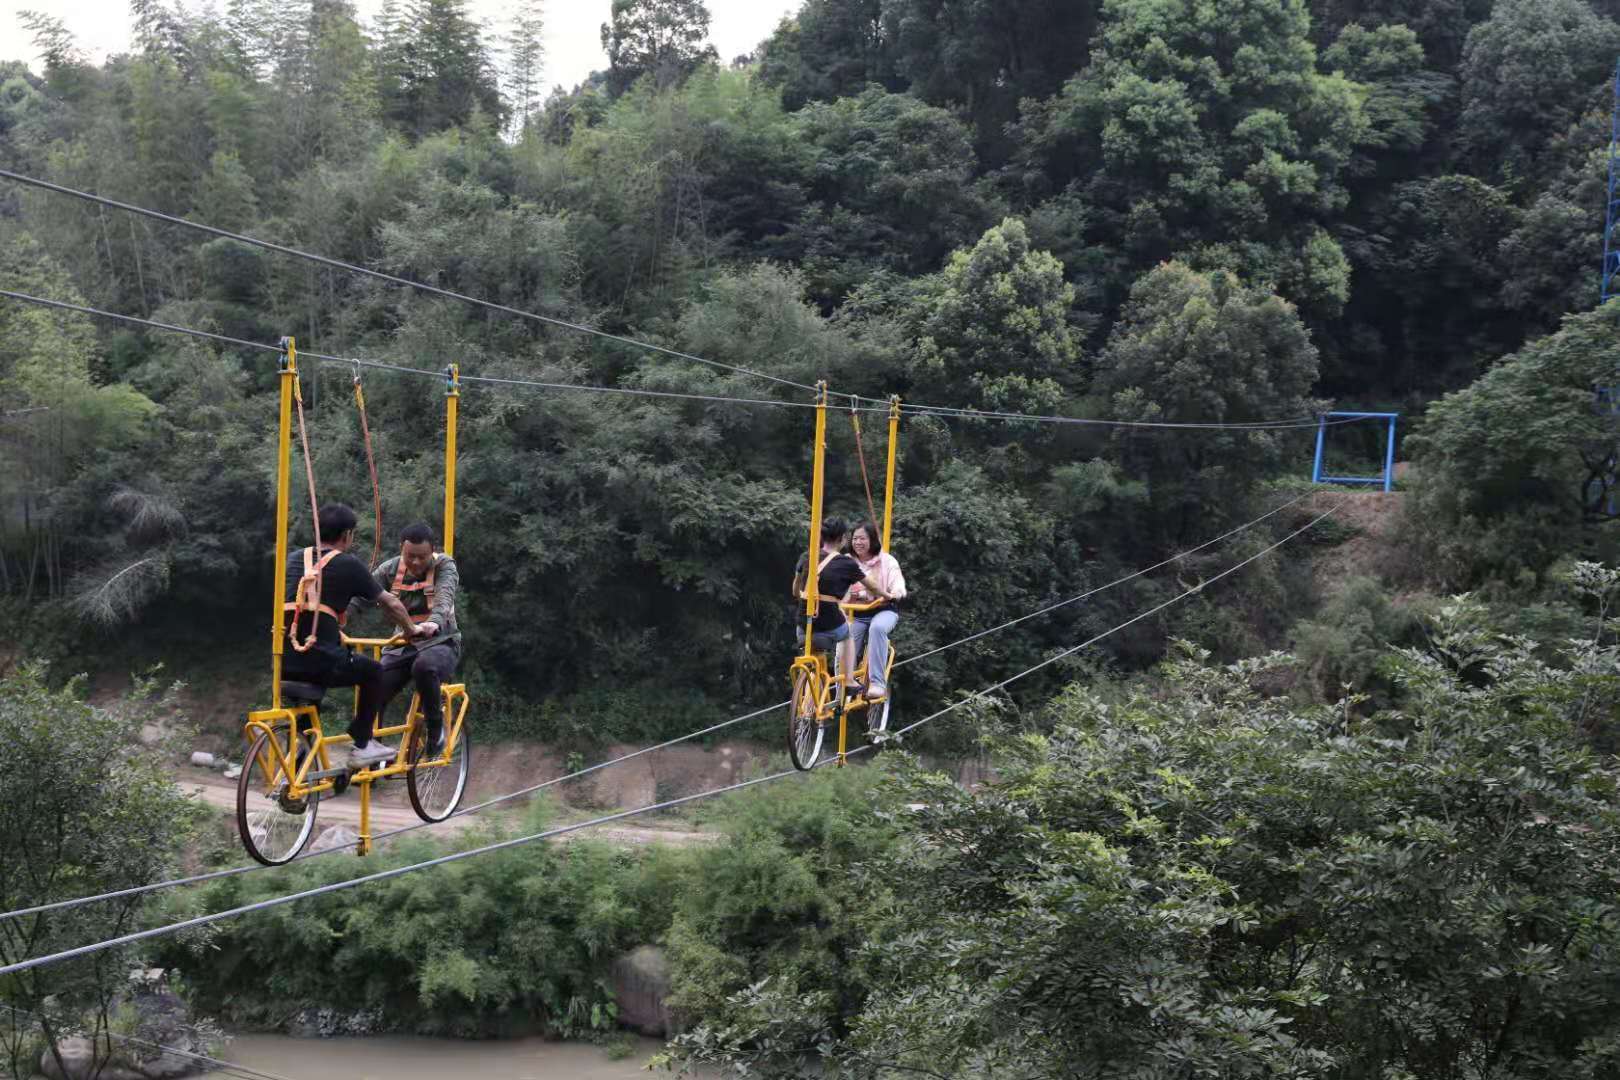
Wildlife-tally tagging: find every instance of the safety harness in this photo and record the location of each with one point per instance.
(308, 598)
(425, 586)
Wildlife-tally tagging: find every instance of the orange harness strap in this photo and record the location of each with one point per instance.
(423, 586)
(855, 421)
(308, 598)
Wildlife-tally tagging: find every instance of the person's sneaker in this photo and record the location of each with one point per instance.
(372, 753)
(876, 693)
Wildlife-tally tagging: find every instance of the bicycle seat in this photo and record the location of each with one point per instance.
(302, 693)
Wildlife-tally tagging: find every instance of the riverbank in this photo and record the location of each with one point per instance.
(406, 1057)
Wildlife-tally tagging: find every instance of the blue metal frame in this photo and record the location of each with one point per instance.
(1387, 480)
(1611, 252)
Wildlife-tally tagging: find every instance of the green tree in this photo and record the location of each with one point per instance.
(1208, 881)
(889, 187)
(986, 55)
(525, 63)
(1517, 470)
(667, 39)
(1527, 73)
(999, 328)
(1204, 131)
(109, 818)
(832, 49)
(1200, 347)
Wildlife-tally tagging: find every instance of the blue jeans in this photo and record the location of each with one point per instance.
(875, 633)
(824, 640)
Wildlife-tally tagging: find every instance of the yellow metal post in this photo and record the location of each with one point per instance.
(888, 484)
(452, 401)
(812, 595)
(278, 635)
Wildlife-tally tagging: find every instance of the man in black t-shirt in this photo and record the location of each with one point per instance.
(327, 661)
(836, 573)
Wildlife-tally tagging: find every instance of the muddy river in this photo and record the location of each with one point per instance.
(390, 1057)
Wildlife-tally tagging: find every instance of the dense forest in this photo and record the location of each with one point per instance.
(1128, 210)
(1390, 855)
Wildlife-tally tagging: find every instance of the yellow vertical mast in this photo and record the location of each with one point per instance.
(812, 595)
(278, 635)
(888, 483)
(452, 400)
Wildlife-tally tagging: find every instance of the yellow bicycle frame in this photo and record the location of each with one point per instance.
(302, 779)
(821, 684)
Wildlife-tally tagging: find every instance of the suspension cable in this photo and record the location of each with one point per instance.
(226, 339)
(629, 391)
(339, 264)
(1133, 620)
(532, 789)
(383, 875)
(215, 875)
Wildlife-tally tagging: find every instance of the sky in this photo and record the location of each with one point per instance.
(572, 36)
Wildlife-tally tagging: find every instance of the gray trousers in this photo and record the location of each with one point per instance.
(428, 670)
(874, 632)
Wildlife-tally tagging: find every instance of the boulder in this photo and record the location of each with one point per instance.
(641, 987)
(202, 759)
(78, 1062)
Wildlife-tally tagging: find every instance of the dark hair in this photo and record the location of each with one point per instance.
(335, 520)
(869, 527)
(420, 533)
(833, 529)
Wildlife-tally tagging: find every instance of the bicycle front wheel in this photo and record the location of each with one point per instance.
(436, 790)
(805, 732)
(273, 827)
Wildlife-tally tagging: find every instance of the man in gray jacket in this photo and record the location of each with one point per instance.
(426, 581)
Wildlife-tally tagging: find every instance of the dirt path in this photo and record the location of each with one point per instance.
(391, 810)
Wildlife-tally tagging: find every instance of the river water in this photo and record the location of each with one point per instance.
(403, 1057)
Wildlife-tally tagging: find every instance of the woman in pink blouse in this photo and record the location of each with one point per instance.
(874, 626)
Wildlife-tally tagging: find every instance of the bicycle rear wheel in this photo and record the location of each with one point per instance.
(436, 790)
(805, 731)
(273, 827)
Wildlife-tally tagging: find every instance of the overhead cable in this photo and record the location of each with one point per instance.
(339, 264)
(628, 391)
(215, 875)
(383, 875)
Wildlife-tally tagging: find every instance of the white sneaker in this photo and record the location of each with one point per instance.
(373, 752)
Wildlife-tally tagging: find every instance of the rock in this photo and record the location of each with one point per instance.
(329, 1023)
(78, 1059)
(335, 836)
(202, 759)
(641, 987)
(232, 772)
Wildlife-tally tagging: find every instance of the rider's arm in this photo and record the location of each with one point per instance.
(396, 613)
(360, 603)
(875, 589)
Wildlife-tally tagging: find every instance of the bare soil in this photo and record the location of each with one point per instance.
(1372, 552)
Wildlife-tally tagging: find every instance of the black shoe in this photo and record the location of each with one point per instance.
(435, 744)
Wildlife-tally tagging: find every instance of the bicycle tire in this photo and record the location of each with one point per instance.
(436, 792)
(805, 730)
(263, 815)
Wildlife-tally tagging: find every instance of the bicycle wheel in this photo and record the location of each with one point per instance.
(877, 713)
(805, 732)
(273, 827)
(436, 790)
